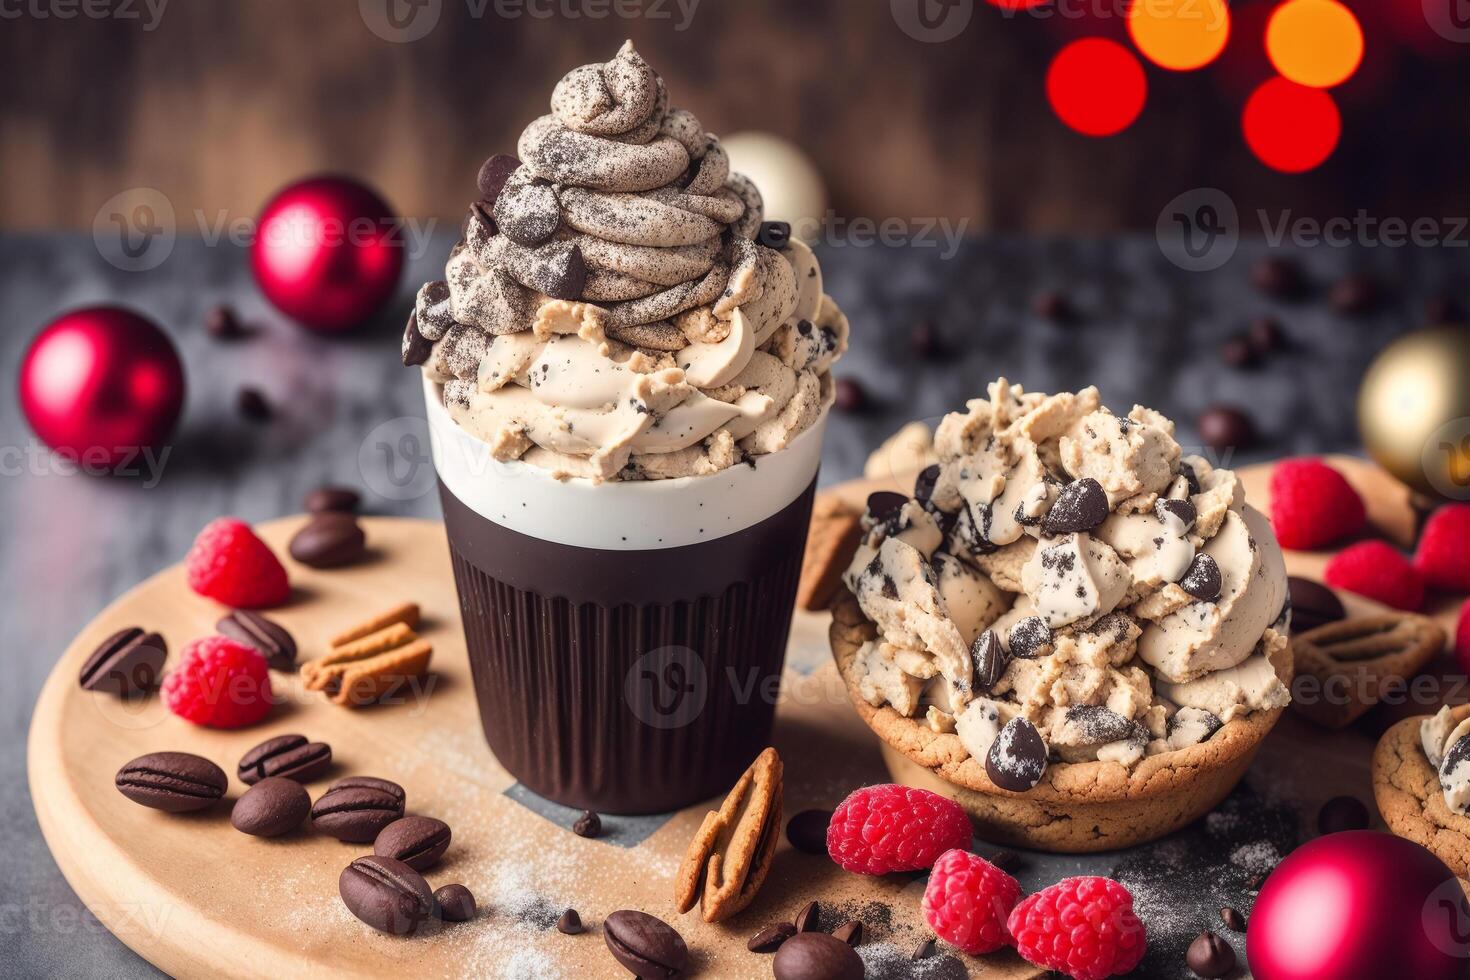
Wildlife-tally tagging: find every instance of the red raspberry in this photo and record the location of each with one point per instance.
(1376, 569)
(219, 683)
(1313, 505)
(967, 900)
(1462, 638)
(879, 829)
(229, 564)
(1443, 558)
(1083, 927)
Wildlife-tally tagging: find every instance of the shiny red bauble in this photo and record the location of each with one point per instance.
(1360, 905)
(101, 384)
(328, 253)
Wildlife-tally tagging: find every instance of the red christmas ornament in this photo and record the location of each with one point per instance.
(328, 253)
(101, 384)
(1360, 905)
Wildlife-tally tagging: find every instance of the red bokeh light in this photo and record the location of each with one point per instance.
(1290, 127)
(1096, 86)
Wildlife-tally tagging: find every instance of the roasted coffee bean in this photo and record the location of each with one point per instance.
(418, 842)
(1017, 757)
(1210, 956)
(493, 174)
(588, 824)
(808, 919)
(1081, 506)
(1353, 295)
(1278, 277)
(1202, 579)
(849, 396)
(1224, 427)
(329, 498)
(222, 323)
(1238, 352)
(1028, 637)
(990, 659)
(127, 663)
(644, 945)
(329, 541)
(774, 234)
(272, 807)
(357, 808)
(924, 950)
(269, 637)
(850, 932)
(769, 939)
(1266, 336)
(252, 405)
(816, 956)
(807, 831)
(288, 756)
(456, 903)
(924, 339)
(175, 782)
(386, 894)
(885, 504)
(570, 923)
(1312, 604)
(1233, 920)
(1051, 305)
(1342, 813)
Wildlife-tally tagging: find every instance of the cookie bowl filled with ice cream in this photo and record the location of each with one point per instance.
(1073, 626)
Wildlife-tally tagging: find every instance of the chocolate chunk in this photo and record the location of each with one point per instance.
(644, 945)
(924, 950)
(924, 485)
(493, 174)
(816, 956)
(1191, 479)
(564, 273)
(222, 323)
(174, 782)
(1278, 277)
(774, 234)
(528, 213)
(1224, 427)
(1353, 295)
(1081, 506)
(1202, 580)
(850, 932)
(1017, 757)
(127, 663)
(848, 395)
(288, 756)
(269, 637)
(1099, 725)
(769, 939)
(884, 505)
(343, 500)
(386, 894)
(807, 919)
(416, 348)
(588, 824)
(252, 405)
(924, 339)
(1210, 956)
(481, 213)
(1345, 813)
(357, 808)
(1028, 637)
(417, 841)
(807, 831)
(1233, 920)
(1238, 352)
(1265, 336)
(1312, 604)
(456, 903)
(570, 923)
(272, 807)
(329, 540)
(1052, 305)
(1182, 509)
(990, 659)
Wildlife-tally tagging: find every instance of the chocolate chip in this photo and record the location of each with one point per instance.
(807, 831)
(769, 939)
(174, 782)
(806, 920)
(924, 950)
(416, 347)
(493, 174)
(1051, 305)
(1266, 336)
(417, 841)
(357, 808)
(252, 404)
(1202, 580)
(588, 824)
(774, 234)
(1342, 813)
(386, 894)
(924, 485)
(481, 212)
(1028, 637)
(288, 756)
(1238, 352)
(1081, 506)
(222, 323)
(1312, 604)
(884, 505)
(1233, 920)
(343, 500)
(1191, 479)
(1099, 725)
(269, 637)
(990, 659)
(848, 395)
(456, 903)
(1277, 277)
(570, 923)
(565, 274)
(1224, 427)
(528, 213)
(816, 956)
(924, 339)
(1181, 509)
(644, 945)
(272, 807)
(329, 540)
(1353, 295)
(850, 932)
(1210, 956)
(127, 663)
(1017, 757)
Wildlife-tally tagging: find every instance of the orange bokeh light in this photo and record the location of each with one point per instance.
(1096, 86)
(1314, 42)
(1180, 35)
(1290, 127)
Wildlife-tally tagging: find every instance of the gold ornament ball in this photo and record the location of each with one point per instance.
(1414, 411)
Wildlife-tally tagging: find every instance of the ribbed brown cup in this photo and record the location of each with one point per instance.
(626, 681)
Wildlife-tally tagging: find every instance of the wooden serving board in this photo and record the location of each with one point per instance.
(197, 898)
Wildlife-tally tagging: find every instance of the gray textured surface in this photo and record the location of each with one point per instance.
(1146, 332)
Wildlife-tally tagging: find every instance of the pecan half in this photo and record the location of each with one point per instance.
(731, 854)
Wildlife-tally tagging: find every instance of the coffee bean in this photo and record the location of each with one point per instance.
(1028, 637)
(1051, 305)
(269, 637)
(644, 945)
(343, 499)
(329, 541)
(272, 807)
(816, 956)
(1312, 604)
(990, 660)
(222, 323)
(386, 894)
(570, 923)
(807, 831)
(287, 756)
(848, 395)
(1353, 295)
(850, 932)
(127, 663)
(1210, 956)
(1017, 757)
(252, 405)
(493, 174)
(456, 903)
(774, 234)
(418, 842)
(808, 918)
(357, 808)
(1266, 336)
(588, 824)
(415, 348)
(175, 782)
(1237, 352)
(1278, 277)
(924, 339)
(1224, 427)
(769, 939)
(924, 950)
(1233, 920)
(1081, 506)
(1202, 580)
(1342, 813)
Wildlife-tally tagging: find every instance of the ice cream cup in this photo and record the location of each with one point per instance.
(626, 638)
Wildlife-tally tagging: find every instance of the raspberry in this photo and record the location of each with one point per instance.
(879, 829)
(1083, 927)
(1462, 638)
(219, 683)
(1376, 569)
(1313, 505)
(967, 900)
(229, 564)
(1443, 558)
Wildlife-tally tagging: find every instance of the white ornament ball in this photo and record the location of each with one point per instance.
(789, 181)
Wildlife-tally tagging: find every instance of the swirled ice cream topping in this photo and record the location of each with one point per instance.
(617, 309)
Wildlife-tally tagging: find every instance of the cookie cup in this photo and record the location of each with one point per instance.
(626, 638)
(1407, 791)
(1077, 807)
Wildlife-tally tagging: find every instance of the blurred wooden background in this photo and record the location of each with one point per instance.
(217, 103)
